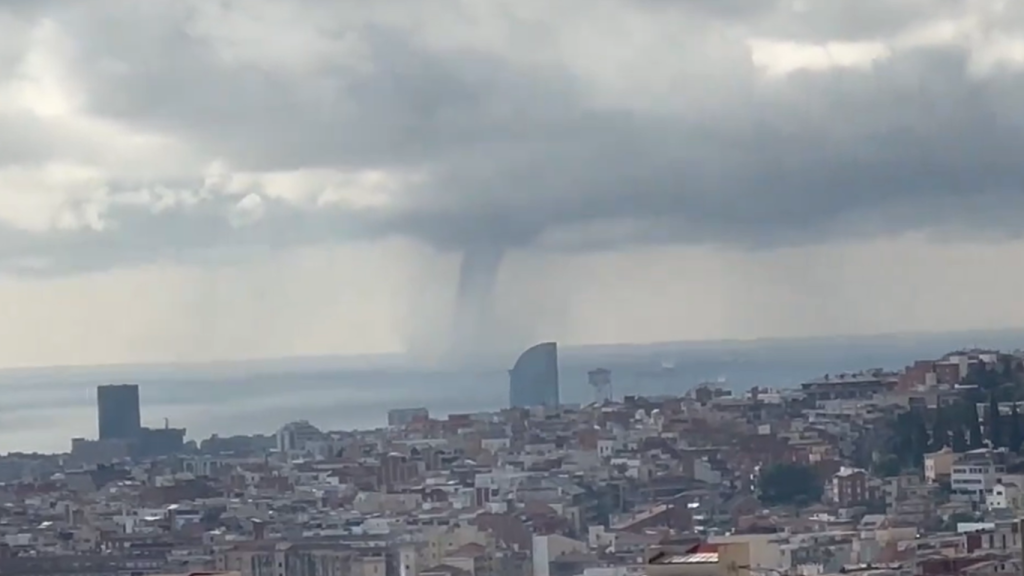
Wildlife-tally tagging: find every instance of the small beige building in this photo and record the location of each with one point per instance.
(938, 466)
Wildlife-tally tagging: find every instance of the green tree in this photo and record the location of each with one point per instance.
(909, 439)
(958, 439)
(941, 429)
(899, 441)
(994, 422)
(920, 445)
(974, 435)
(983, 377)
(887, 466)
(1015, 434)
(789, 484)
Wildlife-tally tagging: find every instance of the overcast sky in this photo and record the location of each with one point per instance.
(188, 180)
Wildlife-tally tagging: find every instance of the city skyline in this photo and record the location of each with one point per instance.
(42, 408)
(511, 288)
(814, 477)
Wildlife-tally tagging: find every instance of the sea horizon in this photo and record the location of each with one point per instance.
(42, 408)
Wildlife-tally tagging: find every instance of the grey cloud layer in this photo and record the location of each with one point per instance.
(516, 149)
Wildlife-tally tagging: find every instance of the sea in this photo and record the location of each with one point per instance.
(41, 409)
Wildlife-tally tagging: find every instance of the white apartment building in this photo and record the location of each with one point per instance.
(1003, 495)
(976, 473)
(1007, 494)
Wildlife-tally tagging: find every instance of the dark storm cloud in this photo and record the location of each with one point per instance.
(914, 144)
(516, 149)
(199, 235)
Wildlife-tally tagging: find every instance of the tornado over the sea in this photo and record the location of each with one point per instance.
(474, 324)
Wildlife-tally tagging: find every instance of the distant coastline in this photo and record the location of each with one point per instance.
(1001, 338)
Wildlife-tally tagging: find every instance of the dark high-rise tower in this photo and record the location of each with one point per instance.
(118, 412)
(533, 381)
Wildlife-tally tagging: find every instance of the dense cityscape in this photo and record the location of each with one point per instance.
(511, 288)
(906, 472)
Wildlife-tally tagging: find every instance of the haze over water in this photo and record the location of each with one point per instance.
(41, 409)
